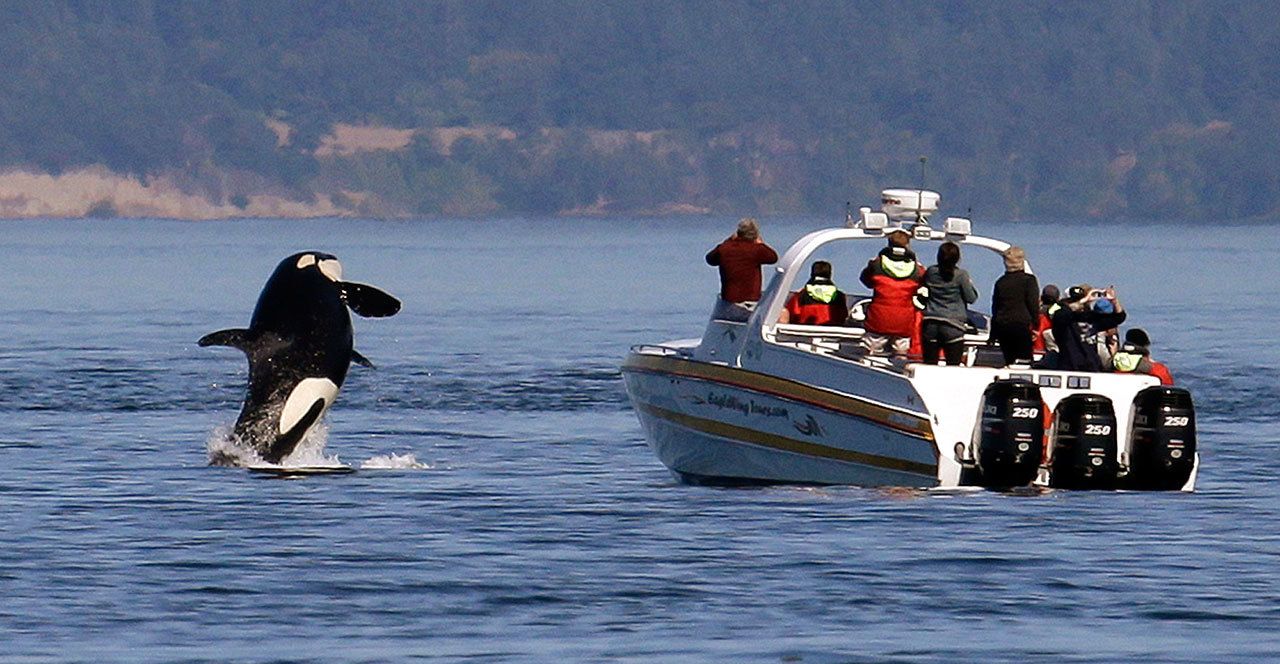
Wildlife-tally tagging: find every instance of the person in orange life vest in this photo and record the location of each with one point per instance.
(893, 277)
(1042, 336)
(1134, 356)
(739, 258)
(819, 302)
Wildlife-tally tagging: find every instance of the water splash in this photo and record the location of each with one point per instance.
(393, 461)
(225, 449)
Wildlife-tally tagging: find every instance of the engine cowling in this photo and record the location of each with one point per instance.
(1163, 449)
(1084, 443)
(1010, 434)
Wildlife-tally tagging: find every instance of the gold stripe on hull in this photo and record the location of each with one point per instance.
(783, 388)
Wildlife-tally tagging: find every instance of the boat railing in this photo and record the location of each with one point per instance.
(659, 349)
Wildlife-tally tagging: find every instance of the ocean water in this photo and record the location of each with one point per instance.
(507, 508)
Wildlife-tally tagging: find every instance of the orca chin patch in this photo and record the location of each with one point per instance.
(301, 399)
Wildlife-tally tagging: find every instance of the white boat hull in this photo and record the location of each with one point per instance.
(712, 423)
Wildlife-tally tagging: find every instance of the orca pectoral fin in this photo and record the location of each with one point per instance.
(368, 301)
(235, 338)
(361, 360)
(285, 442)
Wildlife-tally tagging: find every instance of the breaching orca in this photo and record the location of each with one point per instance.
(299, 347)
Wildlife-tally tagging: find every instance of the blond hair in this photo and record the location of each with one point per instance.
(1014, 259)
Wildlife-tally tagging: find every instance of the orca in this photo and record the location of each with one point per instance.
(299, 345)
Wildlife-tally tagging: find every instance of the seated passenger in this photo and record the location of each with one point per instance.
(1135, 357)
(893, 277)
(819, 302)
(946, 294)
(1073, 324)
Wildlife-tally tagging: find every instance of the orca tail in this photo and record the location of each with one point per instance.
(368, 301)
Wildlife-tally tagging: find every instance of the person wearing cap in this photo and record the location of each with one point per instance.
(819, 302)
(1076, 319)
(1042, 337)
(893, 277)
(1134, 356)
(1015, 308)
(739, 258)
(946, 295)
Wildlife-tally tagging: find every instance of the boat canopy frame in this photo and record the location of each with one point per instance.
(789, 268)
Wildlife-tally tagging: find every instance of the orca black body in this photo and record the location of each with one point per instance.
(299, 346)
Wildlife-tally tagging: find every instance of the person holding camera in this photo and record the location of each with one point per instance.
(739, 259)
(1084, 311)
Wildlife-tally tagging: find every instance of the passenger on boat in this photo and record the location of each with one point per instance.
(819, 302)
(1042, 337)
(1015, 308)
(1135, 357)
(946, 294)
(739, 258)
(1075, 319)
(893, 277)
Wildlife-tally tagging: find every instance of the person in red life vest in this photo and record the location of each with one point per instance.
(893, 276)
(1042, 336)
(819, 302)
(1134, 356)
(739, 259)
(1015, 308)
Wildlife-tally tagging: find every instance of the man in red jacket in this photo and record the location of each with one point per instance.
(739, 259)
(893, 277)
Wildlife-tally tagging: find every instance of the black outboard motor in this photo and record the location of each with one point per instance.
(1011, 434)
(1084, 448)
(1163, 451)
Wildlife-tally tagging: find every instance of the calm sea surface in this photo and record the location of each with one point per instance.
(508, 508)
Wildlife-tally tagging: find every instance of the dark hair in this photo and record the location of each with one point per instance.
(948, 259)
(820, 269)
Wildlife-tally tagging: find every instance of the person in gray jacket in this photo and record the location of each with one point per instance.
(945, 296)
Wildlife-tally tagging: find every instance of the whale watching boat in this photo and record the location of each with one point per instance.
(764, 402)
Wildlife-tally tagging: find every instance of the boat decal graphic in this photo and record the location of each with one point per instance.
(809, 427)
(772, 441)
(783, 388)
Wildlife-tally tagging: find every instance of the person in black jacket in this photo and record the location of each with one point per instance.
(1076, 318)
(1015, 307)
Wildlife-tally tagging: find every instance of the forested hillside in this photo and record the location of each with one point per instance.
(1025, 109)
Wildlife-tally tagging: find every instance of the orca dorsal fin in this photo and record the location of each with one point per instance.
(361, 360)
(368, 301)
(235, 338)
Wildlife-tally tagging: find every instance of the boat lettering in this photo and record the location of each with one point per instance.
(748, 407)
